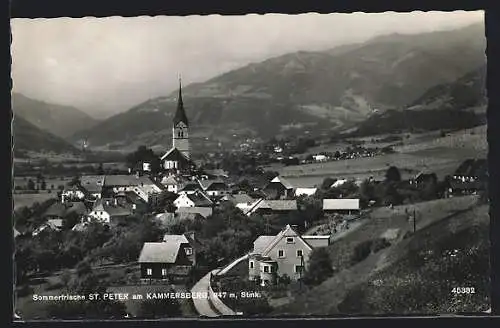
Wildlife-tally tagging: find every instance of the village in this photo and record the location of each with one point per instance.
(167, 222)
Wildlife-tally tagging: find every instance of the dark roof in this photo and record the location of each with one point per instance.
(180, 114)
(279, 205)
(199, 200)
(160, 252)
(124, 180)
(203, 211)
(191, 186)
(92, 183)
(175, 154)
(213, 185)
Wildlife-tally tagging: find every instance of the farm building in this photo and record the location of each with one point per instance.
(203, 211)
(303, 191)
(263, 206)
(109, 211)
(341, 205)
(214, 187)
(198, 199)
(279, 188)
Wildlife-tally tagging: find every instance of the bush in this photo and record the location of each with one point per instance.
(379, 244)
(362, 251)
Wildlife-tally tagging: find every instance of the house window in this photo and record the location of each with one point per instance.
(266, 269)
(189, 251)
(163, 272)
(149, 272)
(299, 269)
(300, 253)
(251, 264)
(289, 240)
(281, 253)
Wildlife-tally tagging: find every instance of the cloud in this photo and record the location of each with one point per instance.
(106, 65)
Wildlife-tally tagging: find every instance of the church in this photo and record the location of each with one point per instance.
(177, 159)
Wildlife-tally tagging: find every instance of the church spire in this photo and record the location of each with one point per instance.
(180, 114)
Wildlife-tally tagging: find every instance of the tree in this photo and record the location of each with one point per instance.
(159, 308)
(393, 174)
(141, 155)
(100, 169)
(320, 267)
(43, 185)
(30, 185)
(327, 183)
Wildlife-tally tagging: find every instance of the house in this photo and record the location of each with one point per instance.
(338, 183)
(173, 257)
(110, 211)
(142, 185)
(172, 183)
(470, 177)
(75, 192)
(59, 211)
(320, 158)
(205, 212)
(214, 188)
(51, 225)
(304, 191)
(217, 174)
(93, 184)
(286, 253)
(198, 199)
(341, 205)
(263, 206)
(242, 201)
(130, 198)
(279, 188)
(190, 188)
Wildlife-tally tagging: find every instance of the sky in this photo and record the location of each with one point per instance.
(108, 65)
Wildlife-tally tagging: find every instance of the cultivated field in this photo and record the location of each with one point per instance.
(21, 200)
(425, 152)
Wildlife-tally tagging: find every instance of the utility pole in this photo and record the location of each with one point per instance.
(414, 221)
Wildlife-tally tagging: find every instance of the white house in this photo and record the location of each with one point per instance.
(198, 199)
(93, 184)
(304, 191)
(348, 205)
(74, 192)
(214, 187)
(320, 158)
(172, 183)
(106, 211)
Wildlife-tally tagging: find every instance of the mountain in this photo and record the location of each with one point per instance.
(62, 121)
(449, 106)
(28, 137)
(313, 91)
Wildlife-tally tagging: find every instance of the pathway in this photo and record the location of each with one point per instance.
(203, 305)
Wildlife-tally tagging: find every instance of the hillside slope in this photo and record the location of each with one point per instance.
(314, 91)
(28, 137)
(415, 274)
(61, 121)
(460, 104)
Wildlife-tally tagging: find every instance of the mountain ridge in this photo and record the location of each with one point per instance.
(305, 90)
(60, 120)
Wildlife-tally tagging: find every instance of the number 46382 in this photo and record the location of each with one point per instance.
(463, 290)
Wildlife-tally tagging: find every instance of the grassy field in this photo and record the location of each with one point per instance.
(21, 200)
(438, 223)
(423, 152)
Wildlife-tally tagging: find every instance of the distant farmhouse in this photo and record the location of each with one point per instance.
(286, 253)
(279, 188)
(341, 206)
(470, 177)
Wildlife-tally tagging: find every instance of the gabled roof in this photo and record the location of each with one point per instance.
(56, 209)
(175, 155)
(203, 211)
(240, 199)
(191, 186)
(341, 204)
(288, 231)
(175, 238)
(171, 180)
(283, 181)
(279, 205)
(159, 252)
(57, 223)
(93, 183)
(199, 199)
(212, 184)
(125, 180)
(306, 191)
(260, 244)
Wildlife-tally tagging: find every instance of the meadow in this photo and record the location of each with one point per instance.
(21, 200)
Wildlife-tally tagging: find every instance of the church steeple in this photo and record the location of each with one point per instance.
(180, 114)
